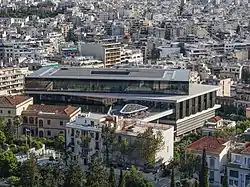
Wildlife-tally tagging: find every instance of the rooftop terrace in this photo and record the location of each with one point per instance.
(110, 74)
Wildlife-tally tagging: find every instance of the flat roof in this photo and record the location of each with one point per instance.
(195, 90)
(111, 74)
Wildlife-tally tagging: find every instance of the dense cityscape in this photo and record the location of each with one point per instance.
(124, 93)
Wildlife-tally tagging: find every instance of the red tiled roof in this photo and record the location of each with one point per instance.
(210, 144)
(12, 101)
(217, 118)
(61, 110)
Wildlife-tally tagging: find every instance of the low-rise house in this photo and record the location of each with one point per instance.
(48, 120)
(216, 152)
(11, 106)
(239, 166)
(214, 124)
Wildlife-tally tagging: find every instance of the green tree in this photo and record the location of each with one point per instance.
(85, 145)
(17, 122)
(121, 179)
(203, 175)
(29, 173)
(149, 144)
(52, 175)
(9, 131)
(74, 175)
(8, 164)
(2, 138)
(108, 135)
(123, 149)
(173, 178)
(224, 132)
(59, 142)
(225, 178)
(135, 178)
(13, 181)
(112, 179)
(2, 124)
(97, 174)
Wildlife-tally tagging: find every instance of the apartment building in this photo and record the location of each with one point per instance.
(108, 52)
(216, 152)
(48, 120)
(131, 56)
(84, 135)
(11, 106)
(232, 71)
(29, 49)
(12, 80)
(239, 166)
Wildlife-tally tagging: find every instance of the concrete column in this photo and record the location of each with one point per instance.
(208, 100)
(202, 103)
(190, 106)
(183, 105)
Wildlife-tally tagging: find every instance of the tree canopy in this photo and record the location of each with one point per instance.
(135, 178)
(149, 143)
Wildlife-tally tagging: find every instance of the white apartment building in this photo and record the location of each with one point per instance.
(131, 56)
(216, 152)
(12, 80)
(29, 49)
(232, 71)
(85, 139)
(239, 167)
(85, 125)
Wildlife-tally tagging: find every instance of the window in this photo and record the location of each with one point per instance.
(61, 132)
(25, 119)
(92, 123)
(31, 120)
(49, 133)
(234, 174)
(1, 111)
(97, 145)
(231, 182)
(40, 123)
(61, 123)
(72, 142)
(9, 112)
(211, 176)
(247, 179)
(97, 135)
(72, 132)
(237, 158)
(212, 162)
(48, 122)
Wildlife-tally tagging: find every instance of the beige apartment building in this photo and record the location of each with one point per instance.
(12, 80)
(108, 52)
(48, 120)
(11, 106)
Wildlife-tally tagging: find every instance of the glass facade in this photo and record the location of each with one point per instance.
(114, 86)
